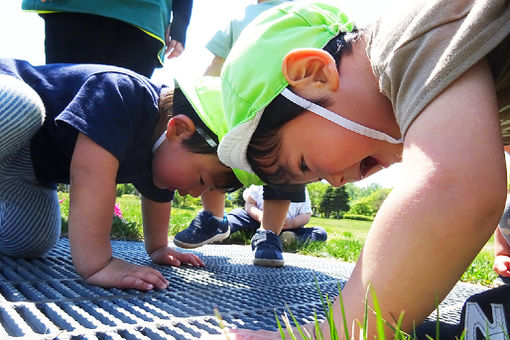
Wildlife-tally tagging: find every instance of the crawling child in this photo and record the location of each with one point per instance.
(94, 126)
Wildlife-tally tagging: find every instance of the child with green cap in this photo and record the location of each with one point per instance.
(426, 84)
(94, 126)
(212, 224)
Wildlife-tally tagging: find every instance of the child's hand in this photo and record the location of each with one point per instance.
(124, 275)
(502, 265)
(172, 257)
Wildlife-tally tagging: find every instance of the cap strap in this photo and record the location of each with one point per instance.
(159, 141)
(206, 137)
(335, 118)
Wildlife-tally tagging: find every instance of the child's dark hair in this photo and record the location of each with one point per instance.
(264, 147)
(173, 102)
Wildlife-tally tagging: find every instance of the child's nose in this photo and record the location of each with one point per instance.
(198, 190)
(336, 180)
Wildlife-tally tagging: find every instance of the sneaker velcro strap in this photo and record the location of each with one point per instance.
(266, 236)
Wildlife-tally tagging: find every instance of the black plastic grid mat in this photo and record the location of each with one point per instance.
(45, 299)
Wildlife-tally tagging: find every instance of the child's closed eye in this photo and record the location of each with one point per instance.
(302, 165)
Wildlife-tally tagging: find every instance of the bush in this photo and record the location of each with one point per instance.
(126, 189)
(126, 230)
(358, 217)
(185, 202)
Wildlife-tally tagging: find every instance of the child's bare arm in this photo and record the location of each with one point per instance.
(501, 254)
(251, 208)
(450, 197)
(156, 218)
(92, 173)
(297, 221)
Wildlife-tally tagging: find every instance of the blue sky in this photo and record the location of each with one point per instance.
(23, 37)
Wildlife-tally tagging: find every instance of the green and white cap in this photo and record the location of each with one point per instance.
(252, 74)
(204, 95)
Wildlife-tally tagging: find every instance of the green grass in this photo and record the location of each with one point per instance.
(345, 237)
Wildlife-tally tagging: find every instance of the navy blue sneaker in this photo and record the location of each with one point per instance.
(267, 248)
(202, 230)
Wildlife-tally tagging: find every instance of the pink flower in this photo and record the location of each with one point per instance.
(62, 200)
(116, 210)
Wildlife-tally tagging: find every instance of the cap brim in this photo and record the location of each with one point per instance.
(232, 149)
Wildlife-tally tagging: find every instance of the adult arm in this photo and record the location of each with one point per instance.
(156, 219)
(175, 36)
(93, 172)
(443, 211)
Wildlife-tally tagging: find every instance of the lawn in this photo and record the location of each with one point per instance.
(345, 237)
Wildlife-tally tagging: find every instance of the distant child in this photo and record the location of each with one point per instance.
(94, 126)
(308, 96)
(294, 231)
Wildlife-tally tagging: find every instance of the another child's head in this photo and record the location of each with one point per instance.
(263, 97)
(185, 156)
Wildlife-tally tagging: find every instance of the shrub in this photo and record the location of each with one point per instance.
(125, 189)
(185, 202)
(358, 217)
(126, 230)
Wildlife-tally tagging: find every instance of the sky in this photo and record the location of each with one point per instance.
(23, 38)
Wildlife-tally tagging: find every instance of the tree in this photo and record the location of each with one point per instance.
(335, 201)
(369, 205)
(316, 191)
(356, 192)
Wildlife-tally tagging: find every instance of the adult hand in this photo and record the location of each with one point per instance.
(124, 275)
(174, 48)
(172, 257)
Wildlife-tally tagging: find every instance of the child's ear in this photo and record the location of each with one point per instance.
(312, 69)
(180, 127)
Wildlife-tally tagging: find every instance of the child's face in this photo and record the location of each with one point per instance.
(177, 168)
(314, 148)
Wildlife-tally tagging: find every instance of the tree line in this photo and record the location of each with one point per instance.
(348, 201)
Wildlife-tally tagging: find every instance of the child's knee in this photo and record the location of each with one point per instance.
(319, 234)
(30, 242)
(29, 228)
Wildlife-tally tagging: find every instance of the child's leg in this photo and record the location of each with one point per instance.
(238, 218)
(29, 212)
(306, 234)
(21, 114)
